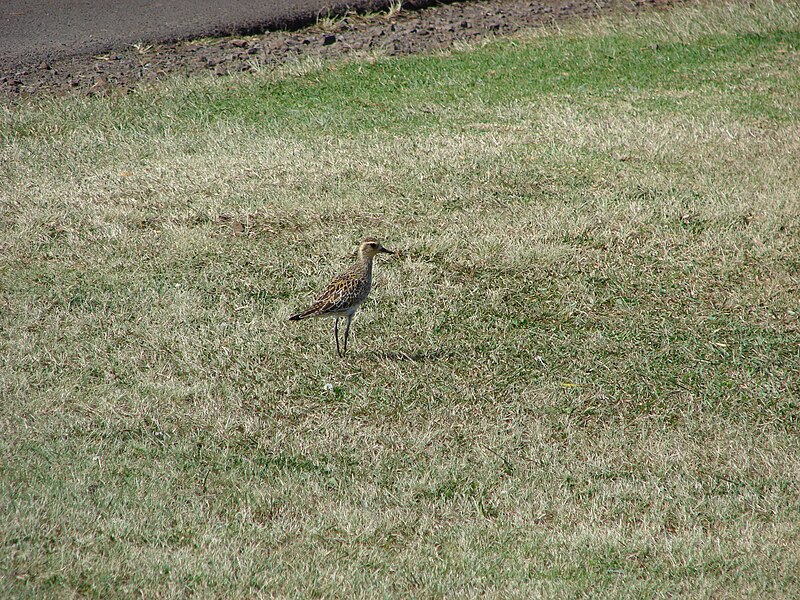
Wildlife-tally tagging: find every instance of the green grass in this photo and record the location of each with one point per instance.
(579, 375)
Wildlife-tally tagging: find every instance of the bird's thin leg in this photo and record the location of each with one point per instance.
(336, 335)
(347, 332)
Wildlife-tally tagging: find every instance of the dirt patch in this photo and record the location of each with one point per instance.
(393, 33)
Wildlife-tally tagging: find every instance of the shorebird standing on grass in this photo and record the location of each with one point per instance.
(346, 292)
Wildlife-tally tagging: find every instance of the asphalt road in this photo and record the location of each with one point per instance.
(35, 30)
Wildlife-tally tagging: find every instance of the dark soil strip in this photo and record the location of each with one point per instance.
(392, 33)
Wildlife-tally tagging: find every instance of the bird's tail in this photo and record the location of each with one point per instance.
(320, 307)
(309, 312)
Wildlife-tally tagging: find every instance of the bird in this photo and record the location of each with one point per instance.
(346, 292)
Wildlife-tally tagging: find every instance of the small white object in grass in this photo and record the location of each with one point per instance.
(328, 387)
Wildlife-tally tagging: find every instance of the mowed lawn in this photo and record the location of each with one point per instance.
(578, 376)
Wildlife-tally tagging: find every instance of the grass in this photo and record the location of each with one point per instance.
(579, 376)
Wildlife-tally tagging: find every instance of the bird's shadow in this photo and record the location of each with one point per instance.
(416, 357)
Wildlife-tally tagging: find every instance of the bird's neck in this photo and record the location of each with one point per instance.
(365, 263)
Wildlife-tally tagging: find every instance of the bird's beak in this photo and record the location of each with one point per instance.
(386, 251)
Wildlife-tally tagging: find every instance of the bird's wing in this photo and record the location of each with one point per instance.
(341, 291)
(337, 296)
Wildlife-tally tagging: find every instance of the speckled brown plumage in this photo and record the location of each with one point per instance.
(346, 292)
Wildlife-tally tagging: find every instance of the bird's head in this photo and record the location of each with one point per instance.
(369, 247)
